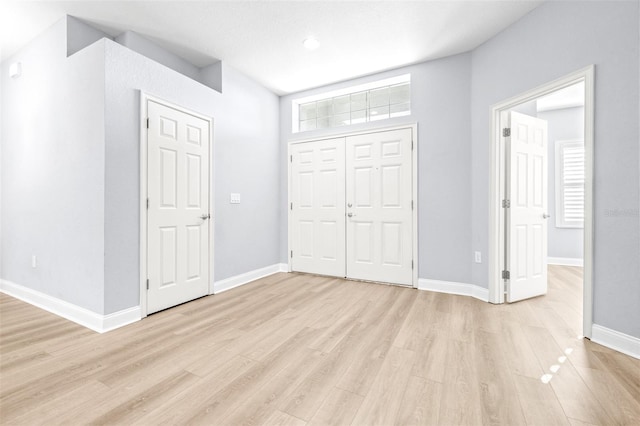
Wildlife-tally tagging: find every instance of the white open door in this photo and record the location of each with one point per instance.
(379, 206)
(526, 223)
(317, 207)
(178, 207)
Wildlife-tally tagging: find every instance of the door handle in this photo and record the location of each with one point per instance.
(205, 216)
(349, 205)
(546, 216)
(350, 214)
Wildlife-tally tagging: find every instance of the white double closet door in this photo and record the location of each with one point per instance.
(351, 207)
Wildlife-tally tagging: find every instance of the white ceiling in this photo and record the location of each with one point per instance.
(263, 39)
(571, 96)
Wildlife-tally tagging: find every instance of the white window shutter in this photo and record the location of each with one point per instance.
(570, 184)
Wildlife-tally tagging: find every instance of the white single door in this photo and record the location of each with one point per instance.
(379, 204)
(178, 213)
(527, 214)
(317, 207)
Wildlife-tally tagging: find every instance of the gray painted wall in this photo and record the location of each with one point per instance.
(210, 75)
(563, 124)
(440, 97)
(81, 35)
(69, 194)
(140, 44)
(53, 154)
(245, 161)
(553, 40)
(70, 184)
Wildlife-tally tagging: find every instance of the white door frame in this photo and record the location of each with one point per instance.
(414, 189)
(144, 101)
(497, 182)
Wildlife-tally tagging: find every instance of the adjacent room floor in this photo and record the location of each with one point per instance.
(298, 349)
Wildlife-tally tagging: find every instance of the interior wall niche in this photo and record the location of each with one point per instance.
(81, 34)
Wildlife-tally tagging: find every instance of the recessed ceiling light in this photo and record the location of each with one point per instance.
(311, 43)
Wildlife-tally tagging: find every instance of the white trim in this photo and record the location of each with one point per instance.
(414, 194)
(144, 100)
(61, 308)
(615, 340)
(415, 223)
(565, 261)
(247, 277)
(496, 220)
(143, 202)
(366, 131)
(450, 287)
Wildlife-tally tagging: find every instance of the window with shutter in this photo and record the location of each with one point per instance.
(570, 184)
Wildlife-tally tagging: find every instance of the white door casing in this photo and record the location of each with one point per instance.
(317, 207)
(379, 206)
(527, 214)
(497, 246)
(178, 216)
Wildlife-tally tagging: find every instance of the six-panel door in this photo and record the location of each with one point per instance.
(317, 197)
(378, 200)
(527, 214)
(177, 217)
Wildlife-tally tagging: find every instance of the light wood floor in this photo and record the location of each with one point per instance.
(295, 349)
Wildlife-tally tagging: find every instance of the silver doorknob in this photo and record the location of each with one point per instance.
(546, 216)
(349, 205)
(205, 216)
(350, 214)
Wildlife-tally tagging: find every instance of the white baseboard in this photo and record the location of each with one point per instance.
(247, 277)
(81, 316)
(615, 340)
(451, 287)
(565, 261)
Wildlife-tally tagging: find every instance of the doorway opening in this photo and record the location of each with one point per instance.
(567, 211)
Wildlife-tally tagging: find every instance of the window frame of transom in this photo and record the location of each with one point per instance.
(364, 103)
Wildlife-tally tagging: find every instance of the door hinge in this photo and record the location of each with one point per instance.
(506, 204)
(506, 275)
(147, 123)
(412, 264)
(292, 254)
(147, 283)
(411, 204)
(411, 144)
(147, 204)
(506, 132)
(291, 158)
(291, 206)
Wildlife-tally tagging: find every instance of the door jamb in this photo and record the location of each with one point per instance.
(144, 100)
(414, 194)
(497, 180)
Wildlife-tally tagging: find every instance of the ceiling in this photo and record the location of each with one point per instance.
(263, 39)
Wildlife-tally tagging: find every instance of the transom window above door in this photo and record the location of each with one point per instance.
(374, 101)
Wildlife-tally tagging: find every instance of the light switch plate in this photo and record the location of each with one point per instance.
(235, 198)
